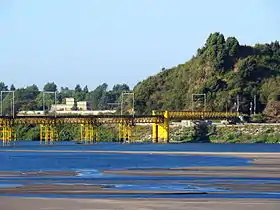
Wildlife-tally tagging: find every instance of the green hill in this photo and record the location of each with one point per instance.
(225, 71)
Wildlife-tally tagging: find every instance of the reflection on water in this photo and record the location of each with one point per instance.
(85, 168)
(166, 187)
(26, 161)
(9, 185)
(88, 173)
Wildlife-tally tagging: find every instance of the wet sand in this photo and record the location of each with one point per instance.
(8, 174)
(79, 189)
(261, 165)
(8, 203)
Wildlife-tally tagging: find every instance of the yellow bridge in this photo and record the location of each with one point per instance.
(88, 124)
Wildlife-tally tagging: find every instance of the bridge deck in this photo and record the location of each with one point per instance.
(115, 119)
(197, 115)
(90, 119)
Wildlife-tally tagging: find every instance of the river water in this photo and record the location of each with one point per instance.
(87, 167)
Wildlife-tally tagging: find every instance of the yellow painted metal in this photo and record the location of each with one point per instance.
(48, 134)
(160, 131)
(96, 120)
(121, 133)
(88, 133)
(154, 129)
(125, 132)
(155, 133)
(198, 115)
(159, 119)
(7, 134)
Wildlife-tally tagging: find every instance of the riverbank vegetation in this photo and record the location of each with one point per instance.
(247, 133)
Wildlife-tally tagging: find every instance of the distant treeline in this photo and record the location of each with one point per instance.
(31, 98)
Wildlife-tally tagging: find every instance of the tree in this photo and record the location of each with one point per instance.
(78, 88)
(120, 88)
(215, 51)
(48, 100)
(85, 89)
(246, 68)
(50, 86)
(25, 98)
(64, 89)
(232, 46)
(98, 94)
(3, 87)
(12, 88)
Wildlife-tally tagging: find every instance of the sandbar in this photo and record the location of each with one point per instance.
(10, 203)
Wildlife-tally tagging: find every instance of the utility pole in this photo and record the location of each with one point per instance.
(133, 101)
(12, 102)
(49, 92)
(55, 104)
(237, 103)
(255, 104)
(251, 107)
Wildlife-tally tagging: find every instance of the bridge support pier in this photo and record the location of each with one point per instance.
(125, 132)
(7, 134)
(48, 134)
(88, 133)
(160, 133)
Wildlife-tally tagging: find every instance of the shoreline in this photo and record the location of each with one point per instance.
(237, 154)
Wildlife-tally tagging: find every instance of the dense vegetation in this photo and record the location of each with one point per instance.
(260, 133)
(228, 73)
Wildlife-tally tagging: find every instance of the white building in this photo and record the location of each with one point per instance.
(82, 105)
(68, 106)
(70, 102)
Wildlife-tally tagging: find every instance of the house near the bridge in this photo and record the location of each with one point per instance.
(69, 108)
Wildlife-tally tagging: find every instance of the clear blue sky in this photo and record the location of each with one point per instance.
(118, 41)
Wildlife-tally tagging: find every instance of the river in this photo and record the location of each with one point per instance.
(67, 169)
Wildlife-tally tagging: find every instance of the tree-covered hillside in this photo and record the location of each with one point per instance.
(224, 70)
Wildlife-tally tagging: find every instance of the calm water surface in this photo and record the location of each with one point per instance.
(88, 167)
(203, 147)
